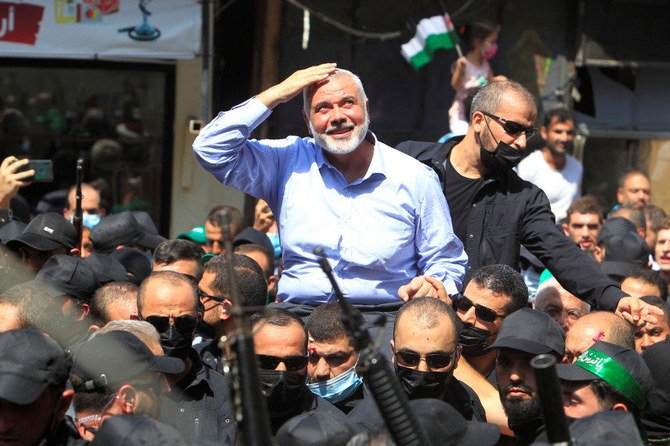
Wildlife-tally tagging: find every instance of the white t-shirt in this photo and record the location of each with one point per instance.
(562, 187)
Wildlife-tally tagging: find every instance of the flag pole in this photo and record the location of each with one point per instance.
(450, 27)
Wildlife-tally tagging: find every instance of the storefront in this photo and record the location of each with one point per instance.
(109, 81)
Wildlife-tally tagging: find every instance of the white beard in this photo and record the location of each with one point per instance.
(340, 146)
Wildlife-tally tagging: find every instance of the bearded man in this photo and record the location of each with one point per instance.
(379, 215)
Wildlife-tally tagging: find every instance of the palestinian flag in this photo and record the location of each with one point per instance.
(432, 34)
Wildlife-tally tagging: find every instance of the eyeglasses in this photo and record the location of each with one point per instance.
(183, 324)
(292, 363)
(408, 358)
(511, 127)
(485, 314)
(202, 294)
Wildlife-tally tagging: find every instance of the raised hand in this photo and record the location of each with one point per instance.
(11, 180)
(294, 84)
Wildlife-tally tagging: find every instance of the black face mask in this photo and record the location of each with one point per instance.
(423, 384)
(175, 343)
(502, 159)
(474, 341)
(282, 390)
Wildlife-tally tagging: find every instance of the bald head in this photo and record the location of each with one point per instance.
(427, 313)
(558, 303)
(597, 326)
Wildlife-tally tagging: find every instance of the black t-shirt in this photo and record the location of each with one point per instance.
(460, 192)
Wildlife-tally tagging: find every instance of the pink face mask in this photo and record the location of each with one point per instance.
(489, 52)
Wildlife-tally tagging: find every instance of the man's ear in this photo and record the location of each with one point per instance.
(620, 406)
(306, 119)
(367, 108)
(224, 314)
(457, 357)
(477, 122)
(84, 309)
(392, 350)
(544, 132)
(565, 229)
(75, 252)
(126, 396)
(65, 402)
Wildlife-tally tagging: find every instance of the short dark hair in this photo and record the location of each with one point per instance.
(278, 317)
(560, 114)
(608, 396)
(636, 216)
(427, 309)
(36, 309)
(652, 278)
(588, 204)
(488, 98)
(654, 216)
(325, 323)
(476, 30)
(665, 224)
(171, 251)
(247, 248)
(250, 279)
(173, 279)
(503, 279)
(107, 294)
(90, 401)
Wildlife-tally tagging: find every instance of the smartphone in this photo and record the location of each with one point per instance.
(44, 170)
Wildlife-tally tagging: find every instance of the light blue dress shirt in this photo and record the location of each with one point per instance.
(378, 232)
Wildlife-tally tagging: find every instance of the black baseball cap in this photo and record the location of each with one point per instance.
(106, 268)
(46, 232)
(530, 331)
(253, 236)
(620, 367)
(111, 359)
(122, 229)
(133, 430)
(316, 429)
(656, 419)
(68, 275)
(135, 263)
(614, 226)
(11, 230)
(606, 428)
(624, 254)
(444, 425)
(30, 362)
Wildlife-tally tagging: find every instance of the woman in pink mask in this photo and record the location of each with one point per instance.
(472, 71)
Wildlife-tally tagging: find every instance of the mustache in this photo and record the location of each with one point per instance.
(518, 386)
(333, 128)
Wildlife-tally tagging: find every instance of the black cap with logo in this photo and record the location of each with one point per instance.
(46, 232)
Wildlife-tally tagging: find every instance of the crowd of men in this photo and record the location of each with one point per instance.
(457, 266)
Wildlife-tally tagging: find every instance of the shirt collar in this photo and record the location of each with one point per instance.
(377, 166)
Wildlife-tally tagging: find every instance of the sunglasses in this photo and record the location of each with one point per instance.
(511, 127)
(485, 314)
(332, 359)
(292, 363)
(183, 324)
(408, 358)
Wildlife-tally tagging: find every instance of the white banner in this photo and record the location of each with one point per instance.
(111, 29)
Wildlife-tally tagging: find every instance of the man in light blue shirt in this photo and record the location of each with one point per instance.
(380, 216)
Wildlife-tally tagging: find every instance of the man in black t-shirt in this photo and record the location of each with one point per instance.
(505, 211)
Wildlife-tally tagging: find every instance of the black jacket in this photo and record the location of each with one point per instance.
(508, 212)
